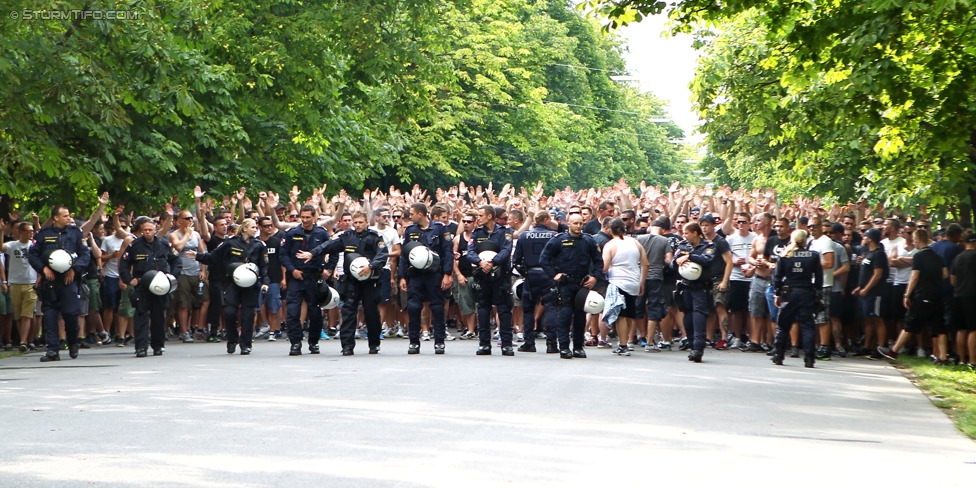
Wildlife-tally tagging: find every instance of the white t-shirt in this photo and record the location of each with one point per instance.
(390, 238)
(19, 270)
(902, 274)
(888, 245)
(824, 245)
(741, 247)
(111, 244)
(624, 270)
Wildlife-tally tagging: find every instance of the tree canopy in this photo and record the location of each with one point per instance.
(850, 98)
(352, 94)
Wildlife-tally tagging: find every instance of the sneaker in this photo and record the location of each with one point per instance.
(277, 334)
(469, 335)
(272, 337)
(642, 343)
(449, 337)
(400, 333)
(652, 347)
(736, 343)
(766, 346)
(519, 337)
(621, 351)
(603, 345)
(921, 354)
(425, 336)
(263, 331)
(592, 342)
(823, 353)
(840, 352)
(540, 335)
(186, 337)
(630, 346)
(721, 345)
(794, 352)
(214, 339)
(685, 345)
(495, 336)
(356, 335)
(119, 342)
(888, 353)
(752, 347)
(104, 336)
(23, 347)
(664, 346)
(127, 340)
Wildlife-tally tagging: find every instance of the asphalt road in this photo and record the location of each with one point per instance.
(197, 416)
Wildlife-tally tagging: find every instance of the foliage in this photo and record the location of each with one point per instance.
(877, 95)
(352, 94)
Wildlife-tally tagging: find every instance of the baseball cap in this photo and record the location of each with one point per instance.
(836, 228)
(662, 222)
(971, 237)
(560, 215)
(874, 235)
(695, 209)
(708, 218)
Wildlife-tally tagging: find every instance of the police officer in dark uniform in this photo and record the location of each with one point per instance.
(234, 252)
(148, 253)
(528, 252)
(694, 292)
(59, 290)
(573, 261)
(303, 278)
(492, 279)
(426, 285)
(797, 281)
(358, 241)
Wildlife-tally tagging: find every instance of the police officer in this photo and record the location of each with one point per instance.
(572, 260)
(797, 280)
(426, 285)
(59, 290)
(303, 278)
(694, 290)
(234, 252)
(358, 241)
(528, 252)
(148, 253)
(492, 279)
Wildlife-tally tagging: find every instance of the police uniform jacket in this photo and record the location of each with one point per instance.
(703, 254)
(529, 246)
(236, 250)
(438, 238)
(298, 239)
(51, 238)
(502, 236)
(368, 243)
(142, 256)
(572, 256)
(802, 270)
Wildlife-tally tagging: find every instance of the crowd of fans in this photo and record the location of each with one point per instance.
(867, 252)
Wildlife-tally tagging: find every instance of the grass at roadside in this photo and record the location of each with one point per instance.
(951, 388)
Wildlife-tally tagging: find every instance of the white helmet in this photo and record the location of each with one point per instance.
(333, 301)
(246, 275)
(517, 288)
(589, 301)
(60, 261)
(420, 257)
(161, 283)
(690, 271)
(357, 266)
(487, 255)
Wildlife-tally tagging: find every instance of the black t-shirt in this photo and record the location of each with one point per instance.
(964, 269)
(274, 261)
(876, 259)
(929, 266)
(718, 264)
(775, 248)
(216, 270)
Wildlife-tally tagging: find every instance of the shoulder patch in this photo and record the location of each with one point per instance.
(508, 236)
(448, 236)
(173, 251)
(380, 244)
(710, 250)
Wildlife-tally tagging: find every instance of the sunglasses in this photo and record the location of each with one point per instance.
(385, 216)
(293, 216)
(265, 226)
(742, 221)
(397, 216)
(574, 213)
(923, 227)
(187, 218)
(878, 222)
(468, 221)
